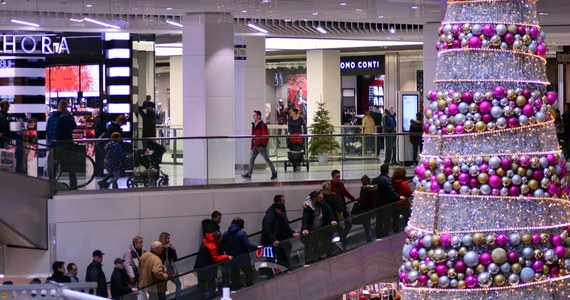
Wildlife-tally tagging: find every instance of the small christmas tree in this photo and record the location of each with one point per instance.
(322, 126)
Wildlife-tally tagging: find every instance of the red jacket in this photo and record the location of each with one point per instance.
(259, 130)
(402, 188)
(340, 189)
(209, 253)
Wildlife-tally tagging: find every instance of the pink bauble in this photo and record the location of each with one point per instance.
(513, 122)
(484, 168)
(551, 97)
(443, 46)
(433, 95)
(456, 44)
(452, 109)
(502, 240)
(553, 189)
(485, 107)
(445, 240)
(554, 271)
(475, 42)
(535, 238)
(560, 251)
(537, 175)
(459, 129)
(426, 128)
(514, 190)
(521, 30)
(524, 160)
(446, 162)
(455, 29)
(448, 171)
(485, 258)
(463, 178)
(526, 93)
(506, 163)
(489, 30)
(487, 118)
(509, 38)
(537, 265)
(434, 186)
(513, 257)
(499, 92)
(450, 93)
(473, 182)
(533, 32)
(453, 192)
(441, 270)
(460, 266)
(440, 113)
(471, 281)
(467, 97)
(495, 181)
(423, 279)
(552, 160)
(403, 277)
(420, 171)
(437, 45)
(414, 253)
(538, 103)
(495, 192)
(441, 31)
(541, 49)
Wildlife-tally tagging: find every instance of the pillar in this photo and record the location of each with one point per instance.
(430, 57)
(323, 84)
(208, 96)
(392, 81)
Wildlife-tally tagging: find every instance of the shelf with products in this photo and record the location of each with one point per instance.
(379, 290)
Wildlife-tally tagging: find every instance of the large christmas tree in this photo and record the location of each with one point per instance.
(491, 215)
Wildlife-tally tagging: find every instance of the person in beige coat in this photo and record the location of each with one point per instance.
(152, 272)
(369, 127)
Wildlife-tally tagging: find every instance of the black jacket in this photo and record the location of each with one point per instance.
(385, 193)
(274, 227)
(209, 226)
(149, 122)
(119, 283)
(4, 129)
(309, 216)
(58, 277)
(95, 273)
(113, 127)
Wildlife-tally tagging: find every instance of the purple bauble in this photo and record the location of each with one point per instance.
(456, 44)
(534, 32)
(560, 251)
(484, 168)
(420, 171)
(524, 160)
(537, 175)
(448, 171)
(456, 29)
(499, 92)
(535, 238)
(489, 30)
(495, 181)
(502, 240)
(541, 49)
(485, 258)
(445, 240)
(437, 46)
(513, 122)
(433, 95)
(552, 189)
(423, 279)
(475, 42)
(537, 265)
(485, 107)
(514, 190)
(495, 192)
(459, 129)
(509, 38)
(521, 30)
(487, 118)
(513, 257)
(463, 178)
(527, 93)
(426, 127)
(551, 159)
(446, 162)
(551, 97)
(471, 281)
(555, 271)
(538, 103)
(473, 182)
(443, 46)
(403, 277)
(414, 253)
(460, 266)
(506, 163)
(441, 270)
(452, 109)
(434, 186)
(467, 97)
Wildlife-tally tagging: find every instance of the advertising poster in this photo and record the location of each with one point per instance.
(409, 110)
(297, 92)
(72, 78)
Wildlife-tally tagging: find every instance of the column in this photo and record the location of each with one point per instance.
(249, 92)
(208, 96)
(430, 57)
(392, 81)
(323, 84)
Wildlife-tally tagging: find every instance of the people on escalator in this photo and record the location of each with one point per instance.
(275, 229)
(236, 244)
(402, 188)
(58, 268)
(385, 195)
(153, 276)
(94, 273)
(169, 254)
(5, 134)
(212, 224)
(132, 259)
(72, 271)
(367, 202)
(317, 234)
(59, 127)
(209, 255)
(120, 281)
(341, 193)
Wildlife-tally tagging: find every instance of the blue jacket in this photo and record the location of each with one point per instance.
(235, 241)
(59, 127)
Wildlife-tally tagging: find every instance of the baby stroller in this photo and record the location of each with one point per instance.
(296, 153)
(146, 167)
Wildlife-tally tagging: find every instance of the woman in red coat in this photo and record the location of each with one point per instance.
(367, 202)
(402, 188)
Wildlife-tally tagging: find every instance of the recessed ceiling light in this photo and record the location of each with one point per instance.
(359, 10)
(380, 17)
(321, 30)
(392, 30)
(262, 30)
(543, 14)
(342, 4)
(316, 13)
(174, 23)
(414, 7)
(265, 1)
(25, 23)
(88, 5)
(169, 8)
(3, 2)
(244, 11)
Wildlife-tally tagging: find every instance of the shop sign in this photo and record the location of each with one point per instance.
(25, 44)
(265, 252)
(362, 65)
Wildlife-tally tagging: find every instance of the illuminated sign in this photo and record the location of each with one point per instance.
(24, 44)
(366, 64)
(362, 65)
(266, 252)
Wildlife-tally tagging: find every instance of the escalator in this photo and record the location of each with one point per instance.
(347, 261)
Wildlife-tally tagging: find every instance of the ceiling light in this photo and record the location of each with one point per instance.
(392, 30)
(244, 11)
(380, 17)
(171, 22)
(3, 2)
(414, 7)
(88, 5)
(169, 8)
(251, 25)
(321, 30)
(316, 13)
(541, 13)
(342, 4)
(265, 1)
(100, 23)
(25, 23)
(76, 20)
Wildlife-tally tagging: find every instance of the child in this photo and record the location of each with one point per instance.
(115, 159)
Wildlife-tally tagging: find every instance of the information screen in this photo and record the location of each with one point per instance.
(409, 110)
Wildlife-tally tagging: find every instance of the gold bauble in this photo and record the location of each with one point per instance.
(435, 240)
(544, 237)
(434, 278)
(495, 40)
(533, 184)
(478, 238)
(440, 95)
(506, 181)
(480, 126)
(430, 253)
(499, 256)
(461, 284)
(441, 104)
(466, 28)
(525, 239)
(564, 234)
(451, 273)
(545, 269)
(516, 268)
(538, 254)
(486, 159)
(500, 172)
(512, 28)
(456, 185)
(455, 160)
(461, 251)
(511, 94)
(521, 171)
(440, 178)
(423, 268)
(552, 170)
(520, 100)
(534, 162)
(515, 167)
(432, 163)
(480, 268)
(524, 189)
(526, 39)
(442, 38)
(429, 113)
(483, 178)
(499, 279)
(490, 239)
(416, 264)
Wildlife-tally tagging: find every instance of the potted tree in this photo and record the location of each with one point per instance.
(322, 146)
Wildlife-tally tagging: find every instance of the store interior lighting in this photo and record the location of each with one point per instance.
(100, 23)
(251, 25)
(173, 23)
(25, 23)
(321, 30)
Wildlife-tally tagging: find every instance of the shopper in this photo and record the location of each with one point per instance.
(416, 128)
(368, 127)
(148, 117)
(120, 280)
(389, 127)
(212, 224)
(402, 188)
(115, 162)
(236, 244)
(377, 116)
(5, 134)
(132, 259)
(209, 255)
(341, 193)
(58, 268)
(367, 202)
(296, 126)
(94, 273)
(385, 196)
(152, 274)
(59, 127)
(276, 229)
(169, 254)
(72, 271)
(316, 215)
(259, 145)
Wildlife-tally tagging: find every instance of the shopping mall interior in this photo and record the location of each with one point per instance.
(207, 66)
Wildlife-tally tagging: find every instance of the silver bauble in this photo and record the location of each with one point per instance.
(550, 257)
(494, 162)
(485, 279)
(527, 275)
(471, 259)
(540, 117)
(455, 241)
(501, 123)
(505, 268)
(514, 239)
(459, 118)
(516, 179)
(462, 107)
(501, 29)
(485, 189)
(523, 120)
(443, 282)
(504, 191)
(493, 268)
(422, 253)
(467, 240)
(496, 112)
(528, 253)
(514, 279)
(426, 241)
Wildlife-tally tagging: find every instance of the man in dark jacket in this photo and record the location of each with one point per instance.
(236, 243)
(259, 145)
(148, 116)
(95, 273)
(60, 126)
(316, 214)
(58, 268)
(385, 195)
(212, 224)
(120, 280)
(5, 134)
(377, 116)
(276, 228)
(389, 126)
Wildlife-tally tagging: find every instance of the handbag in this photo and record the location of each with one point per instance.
(169, 266)
(355, 211)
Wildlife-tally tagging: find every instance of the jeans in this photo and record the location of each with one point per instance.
(178, 284)
(384, 221)
(263, 151)
(113, 178)
(390, 154)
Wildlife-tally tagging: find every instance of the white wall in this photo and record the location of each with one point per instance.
(408, 70)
